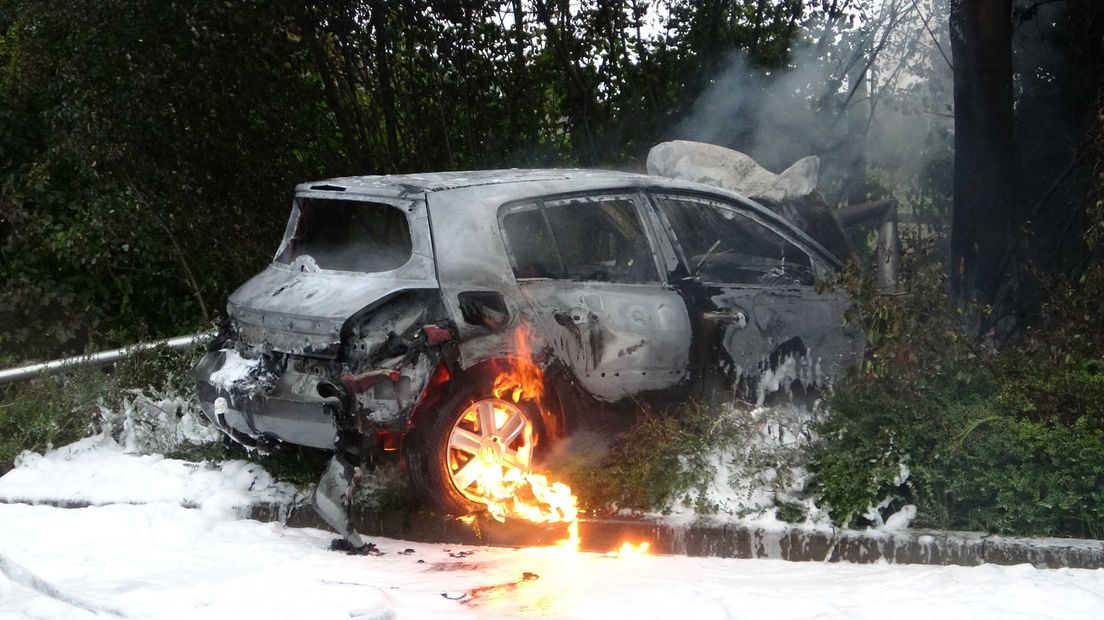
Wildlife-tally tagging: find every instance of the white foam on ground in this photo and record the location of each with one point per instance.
(163, 561)
(98, 471)
(160, 560)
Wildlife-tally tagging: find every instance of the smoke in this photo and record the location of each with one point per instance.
(870, 100)
(768, 116)
(580, 450)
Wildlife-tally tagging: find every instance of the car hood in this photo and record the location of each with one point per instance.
(304, 311)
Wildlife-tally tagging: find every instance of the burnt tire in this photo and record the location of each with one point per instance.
(435, 453)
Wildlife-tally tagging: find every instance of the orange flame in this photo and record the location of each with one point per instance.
(521, 378)
(630, 550)
(510, 491)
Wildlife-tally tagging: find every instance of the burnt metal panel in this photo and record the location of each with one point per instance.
(291, 411)
(298, 307)
(471, 258)
(409, 184)
(472, 255)
(618, 339)
(771, 337)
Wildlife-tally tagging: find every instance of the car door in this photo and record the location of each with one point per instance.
(587, 267)
(761, 325)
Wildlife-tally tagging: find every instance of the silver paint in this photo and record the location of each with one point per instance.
(617, 340)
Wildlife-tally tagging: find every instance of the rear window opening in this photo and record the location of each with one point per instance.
(347, 235)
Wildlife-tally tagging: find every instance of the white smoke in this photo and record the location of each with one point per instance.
(875, 97)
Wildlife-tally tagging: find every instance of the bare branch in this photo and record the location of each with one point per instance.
(935, 40)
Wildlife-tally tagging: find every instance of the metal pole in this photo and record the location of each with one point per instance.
(888, 251)
(103, 358)
(863, 212)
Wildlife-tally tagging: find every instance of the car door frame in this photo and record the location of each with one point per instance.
(726, 316)
(652, 314)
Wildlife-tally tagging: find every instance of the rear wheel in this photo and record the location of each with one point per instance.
(474, 439)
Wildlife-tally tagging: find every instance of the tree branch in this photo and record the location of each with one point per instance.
(931, 34)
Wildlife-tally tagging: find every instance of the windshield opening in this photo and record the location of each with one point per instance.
(347, 235)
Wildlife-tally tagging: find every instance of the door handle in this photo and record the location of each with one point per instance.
(572, 317)
(734, 317)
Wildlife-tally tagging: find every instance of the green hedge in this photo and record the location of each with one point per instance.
(1009, 442)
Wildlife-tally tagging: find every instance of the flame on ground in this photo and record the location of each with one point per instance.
(628, 550)
(511, 492)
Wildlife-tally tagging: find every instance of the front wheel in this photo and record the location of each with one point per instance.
(469, 448)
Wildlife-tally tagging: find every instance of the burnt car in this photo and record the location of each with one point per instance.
(462, 315)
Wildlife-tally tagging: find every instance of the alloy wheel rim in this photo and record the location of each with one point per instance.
(488, 431)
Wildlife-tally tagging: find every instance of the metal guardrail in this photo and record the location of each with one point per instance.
(888, 250)
(103, 358)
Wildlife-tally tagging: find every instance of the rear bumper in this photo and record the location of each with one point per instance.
(256, 414)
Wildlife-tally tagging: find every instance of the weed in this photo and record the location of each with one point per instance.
(50, 411)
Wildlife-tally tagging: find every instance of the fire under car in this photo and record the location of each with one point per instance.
(467, 318)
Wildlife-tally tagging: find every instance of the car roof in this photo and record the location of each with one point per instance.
(552, 180)
(406, 184)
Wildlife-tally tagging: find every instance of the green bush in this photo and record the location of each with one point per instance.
(1009, 442)
(51, 411)
(297, 465)
(61, 407)
(1020, 476)
(660, 459)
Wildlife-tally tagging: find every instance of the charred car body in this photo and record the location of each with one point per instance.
(394, 302)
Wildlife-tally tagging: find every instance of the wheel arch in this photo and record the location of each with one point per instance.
(449, 379)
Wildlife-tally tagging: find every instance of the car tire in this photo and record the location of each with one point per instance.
(433, 460)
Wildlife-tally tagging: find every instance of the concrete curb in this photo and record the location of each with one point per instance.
(703, 538)
(711, 538)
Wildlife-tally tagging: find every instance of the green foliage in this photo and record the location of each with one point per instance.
(52, 411)
(64, 406)
(287, 463)
(1021, 476)
(383, 488)
(146, 163)
(1010, 442)
(791, 512)
(913, 330)
(1067, 390)
(660, 459)
(148, 150)
(165, 369)
(214, 452)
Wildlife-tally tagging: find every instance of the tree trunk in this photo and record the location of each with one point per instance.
(985, 211)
